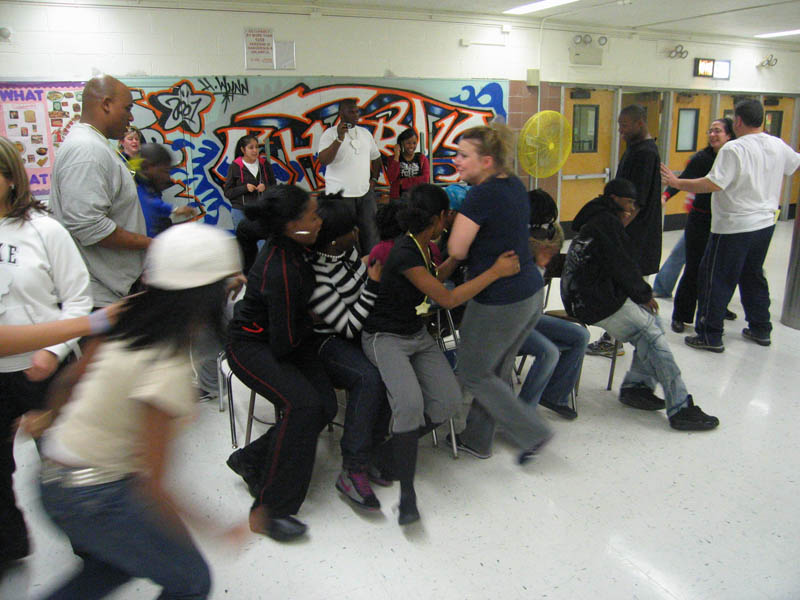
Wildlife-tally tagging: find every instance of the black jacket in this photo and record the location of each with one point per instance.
(600, 271)
(239, 176)
(273, 309)
(641, 166)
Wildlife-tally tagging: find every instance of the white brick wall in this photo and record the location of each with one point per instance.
(64, 42)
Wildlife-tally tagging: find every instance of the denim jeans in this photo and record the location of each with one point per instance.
(652, 359)
(367, 415)
(491, 336)
(557, 347)
(731, 259)
(237, 215)
(671, 269)
(119, 534)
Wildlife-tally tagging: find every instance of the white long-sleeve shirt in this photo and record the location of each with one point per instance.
(40, 268)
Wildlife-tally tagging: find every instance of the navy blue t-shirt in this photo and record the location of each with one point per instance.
(500, 206)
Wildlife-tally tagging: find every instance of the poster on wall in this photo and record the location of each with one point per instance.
(201, 118)
(36, 117)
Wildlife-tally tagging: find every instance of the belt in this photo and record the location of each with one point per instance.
(77, 476)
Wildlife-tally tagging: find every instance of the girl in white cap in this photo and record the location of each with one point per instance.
(104, 458)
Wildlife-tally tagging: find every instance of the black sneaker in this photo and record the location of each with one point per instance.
(603, 347)
(354, 485)
(691, 418)
(760, 339)
(697, 342)
(462, 447)
(730, 315)
(247, 470)
(641, 397)
(526, 455)
(677, 326)
(562, 409)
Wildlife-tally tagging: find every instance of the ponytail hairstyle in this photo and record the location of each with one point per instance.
(337, 217)
(425, 202)
(727, 125)
(386, 220)
(242, 143)
(277, 206)
(495, 140)
(407, 134)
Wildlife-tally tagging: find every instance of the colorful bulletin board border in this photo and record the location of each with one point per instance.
(36, 117)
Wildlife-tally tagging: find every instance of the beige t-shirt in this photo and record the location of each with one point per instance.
(102, 425)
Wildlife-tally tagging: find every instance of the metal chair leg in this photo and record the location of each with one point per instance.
(617, 345)
(453, 438)
(250, 412)
(220, 376)
(229, 380)
(435, 438)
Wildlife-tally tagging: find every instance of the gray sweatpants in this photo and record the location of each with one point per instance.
(491, 336)
(418, 378)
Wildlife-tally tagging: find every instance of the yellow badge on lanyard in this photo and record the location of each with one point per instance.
(424, 307)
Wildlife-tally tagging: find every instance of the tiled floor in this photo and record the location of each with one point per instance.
(617, 506)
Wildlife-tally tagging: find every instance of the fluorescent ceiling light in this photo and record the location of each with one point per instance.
(536, 6)
(779, 34)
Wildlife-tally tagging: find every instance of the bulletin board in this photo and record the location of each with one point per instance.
(36, 117)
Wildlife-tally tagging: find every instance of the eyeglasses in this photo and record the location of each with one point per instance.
(716, 130)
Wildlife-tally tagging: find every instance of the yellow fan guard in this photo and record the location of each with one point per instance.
(545, 142)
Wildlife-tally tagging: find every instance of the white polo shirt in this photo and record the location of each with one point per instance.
(349, 172)
(750, 171)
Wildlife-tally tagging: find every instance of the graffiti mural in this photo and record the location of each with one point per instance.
(202, 118)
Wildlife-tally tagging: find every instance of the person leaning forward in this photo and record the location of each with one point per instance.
(94, 195)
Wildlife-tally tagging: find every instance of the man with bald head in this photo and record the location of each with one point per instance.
(93, 194)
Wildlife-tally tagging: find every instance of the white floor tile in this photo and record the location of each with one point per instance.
(617, 506)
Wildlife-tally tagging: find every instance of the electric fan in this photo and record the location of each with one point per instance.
(544, 143)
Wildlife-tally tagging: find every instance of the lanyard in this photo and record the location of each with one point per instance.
(424, 307)
(119, 153)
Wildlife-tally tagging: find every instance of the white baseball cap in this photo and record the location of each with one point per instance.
(190, 255)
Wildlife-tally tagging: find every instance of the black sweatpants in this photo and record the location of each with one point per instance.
(18, 395)
(298, 387)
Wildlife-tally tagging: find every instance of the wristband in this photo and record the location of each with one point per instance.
(338, 140)
(98, 322)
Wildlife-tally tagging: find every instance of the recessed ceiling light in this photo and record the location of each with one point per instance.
(536, 6)
(779, 34)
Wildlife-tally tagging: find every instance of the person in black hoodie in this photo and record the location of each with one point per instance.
(248, 176)
(602, 285)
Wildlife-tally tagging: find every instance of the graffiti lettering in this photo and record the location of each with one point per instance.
(182, 107)
(295, 120)
(227, 89)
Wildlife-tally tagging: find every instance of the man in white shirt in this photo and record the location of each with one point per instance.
(93, 193)
(352, 164)
(746, 183)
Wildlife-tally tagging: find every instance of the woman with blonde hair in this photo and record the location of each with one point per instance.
(42, 278)
(494, 218)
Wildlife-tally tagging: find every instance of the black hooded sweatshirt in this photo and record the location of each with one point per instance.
(601, 270)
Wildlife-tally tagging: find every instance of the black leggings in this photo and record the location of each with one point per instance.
(298, 387)
(18, 395)
(698, 229)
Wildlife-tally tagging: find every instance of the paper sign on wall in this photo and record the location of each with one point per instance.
(259, 48)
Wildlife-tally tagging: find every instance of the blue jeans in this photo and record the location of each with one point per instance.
(731, 259)
(668, 275)
(557, 347)
(367, 415)
(652, 359)
(237, 216)
(119, 534)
